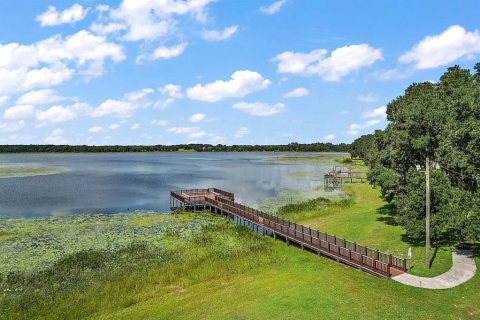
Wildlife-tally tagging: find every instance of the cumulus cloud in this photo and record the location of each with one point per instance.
(242, 83)
(52, 17)
(355, 128)
(259, 108)
(192, 132)
(117, 108)
(96, 129)
(4, 99)
(113, 126)
(52, 61)
(439, 50)
(296, 93)
(12, 126)
(57, 114)
(274, 7)
(340, 63)
(163, 52)
(198, 117)
(139, 95)
(39, 97)
(135, 126)
(215, 35)
(375, 113)
(151, 19)
(172, 90)
(328, 137)
(367, 98)
(56, 137)
(161, 123)
(241, 132)
(19, 112)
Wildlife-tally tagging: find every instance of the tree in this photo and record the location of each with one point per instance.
(440, 121)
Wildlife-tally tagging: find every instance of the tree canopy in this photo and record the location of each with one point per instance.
(440, 121)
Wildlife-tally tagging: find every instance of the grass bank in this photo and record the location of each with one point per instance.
(95, 282)
(146, 265)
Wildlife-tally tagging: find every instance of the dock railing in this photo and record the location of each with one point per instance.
(366, 258)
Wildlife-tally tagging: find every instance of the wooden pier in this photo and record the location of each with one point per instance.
(221, 202)
(339, 174)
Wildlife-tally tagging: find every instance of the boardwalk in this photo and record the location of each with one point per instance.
(221, 202)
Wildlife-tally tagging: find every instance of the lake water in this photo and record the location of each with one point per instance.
(117, 182)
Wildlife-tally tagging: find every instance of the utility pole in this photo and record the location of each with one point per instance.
(427, 214)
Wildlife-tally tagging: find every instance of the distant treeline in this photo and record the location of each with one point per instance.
(292, 147)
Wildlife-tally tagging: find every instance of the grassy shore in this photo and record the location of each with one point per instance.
(147, 265)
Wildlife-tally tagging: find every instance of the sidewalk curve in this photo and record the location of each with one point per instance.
(463, 269)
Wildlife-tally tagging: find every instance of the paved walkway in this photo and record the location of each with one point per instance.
(463, 269)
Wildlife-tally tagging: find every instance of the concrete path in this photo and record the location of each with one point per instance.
(463, 269)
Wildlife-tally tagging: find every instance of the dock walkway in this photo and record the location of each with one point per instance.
(221, 202)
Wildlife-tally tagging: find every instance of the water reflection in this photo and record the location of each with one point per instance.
(117, 182)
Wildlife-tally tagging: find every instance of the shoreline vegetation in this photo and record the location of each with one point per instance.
(291, 147)
(146, 264)
(20, 171)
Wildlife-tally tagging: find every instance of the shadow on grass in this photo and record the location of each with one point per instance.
(389, 213)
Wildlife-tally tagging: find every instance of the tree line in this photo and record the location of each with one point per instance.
(440, 121)
(291, 147)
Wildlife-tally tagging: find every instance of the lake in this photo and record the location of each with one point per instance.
(119, 182)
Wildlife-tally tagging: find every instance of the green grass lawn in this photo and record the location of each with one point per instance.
(367, 220)
(147, 265)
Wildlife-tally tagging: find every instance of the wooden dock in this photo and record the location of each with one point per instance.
(350, 253)
(340, 174)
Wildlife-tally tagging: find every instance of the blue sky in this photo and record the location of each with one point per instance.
(226, 71)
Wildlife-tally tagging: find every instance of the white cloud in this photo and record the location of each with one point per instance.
(135, 126)
(12, 126)
(3, 100)
(57, 114)
(443, 49)
(117, 108)
(113, 126)
(164, 53)
(163, 103)
(172, 90)
(328, 137)
(161, 123)
(96, 129)
(241, 132)
(52, 61)
(39, 97)
(136, 96)
(341, 62)
(105, 29)
(152, 19)
(197, 117)
(295, 93)
(274, 7)
(19, 112)
(56, 137)
(192, 132)
(375, 113)
(259, 108)
(52, 17)
(367, 98)
(214, 35)
(355, 127)
(242, 83)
